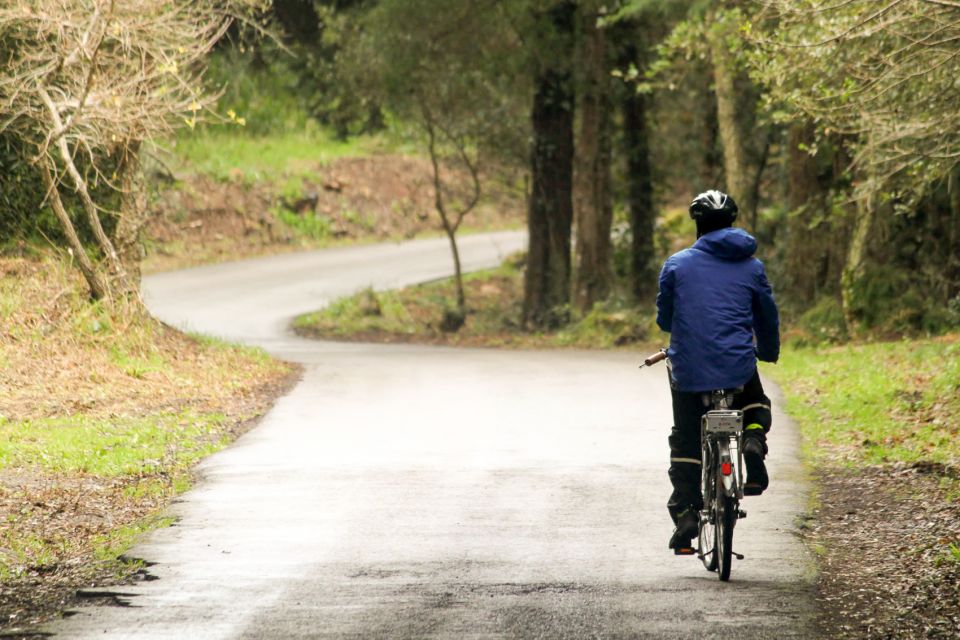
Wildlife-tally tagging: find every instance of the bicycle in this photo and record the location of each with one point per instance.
(721, 440)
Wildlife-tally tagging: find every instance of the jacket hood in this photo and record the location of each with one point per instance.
(731, 243)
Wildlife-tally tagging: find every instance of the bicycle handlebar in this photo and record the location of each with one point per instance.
(655, 358)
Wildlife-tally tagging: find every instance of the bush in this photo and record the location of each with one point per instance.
(823, 322)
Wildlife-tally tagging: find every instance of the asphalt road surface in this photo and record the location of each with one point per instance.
(419, 492)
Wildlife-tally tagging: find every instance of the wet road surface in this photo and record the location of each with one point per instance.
(420, 492)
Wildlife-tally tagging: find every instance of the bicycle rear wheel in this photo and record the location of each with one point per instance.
(723, 549)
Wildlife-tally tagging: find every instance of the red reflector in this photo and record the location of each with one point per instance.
(726, 468)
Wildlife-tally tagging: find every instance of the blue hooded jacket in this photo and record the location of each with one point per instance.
(714, 299)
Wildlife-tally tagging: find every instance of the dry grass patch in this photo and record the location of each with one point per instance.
(103, 412)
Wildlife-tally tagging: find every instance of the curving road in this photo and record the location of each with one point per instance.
(417, 492)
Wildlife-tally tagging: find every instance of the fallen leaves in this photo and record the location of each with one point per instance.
(888, 570)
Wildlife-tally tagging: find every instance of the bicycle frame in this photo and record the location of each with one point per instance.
(721, 434)
(721, 440)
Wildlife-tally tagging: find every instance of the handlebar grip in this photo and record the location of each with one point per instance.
(655, 358)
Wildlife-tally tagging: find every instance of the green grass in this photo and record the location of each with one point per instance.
(161, 443)
(226, 154)
(876, 403)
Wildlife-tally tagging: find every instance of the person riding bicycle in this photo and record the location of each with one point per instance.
(716, 303)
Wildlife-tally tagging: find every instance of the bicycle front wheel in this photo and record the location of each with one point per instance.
(723, 549)
(707, 538)
(707, 535)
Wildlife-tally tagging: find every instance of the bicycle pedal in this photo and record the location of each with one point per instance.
(738, 556)
(684, 551)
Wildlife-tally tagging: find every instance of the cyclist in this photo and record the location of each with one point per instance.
(718, 307)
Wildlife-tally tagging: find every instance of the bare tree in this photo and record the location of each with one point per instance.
(444, 141)
(85, 83)
(442, 67)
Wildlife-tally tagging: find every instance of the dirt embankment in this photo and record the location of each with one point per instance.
(378, 197)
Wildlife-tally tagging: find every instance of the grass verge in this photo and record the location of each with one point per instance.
(103, 414)
(414, 314)
(889, 402)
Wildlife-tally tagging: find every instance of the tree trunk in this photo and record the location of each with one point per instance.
(550, 215)
(711, 163)
(80, 186)
(804, 254)
(643, 273)
(133, 216)
(732, 137)
(98, 288)
(594, 208)
(449, 227)
(856, 264)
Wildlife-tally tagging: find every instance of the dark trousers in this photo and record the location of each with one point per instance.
(688, 409)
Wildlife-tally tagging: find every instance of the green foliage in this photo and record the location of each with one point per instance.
(24, 216)
(420, 57)
(613, 323)
(884, 74)
(883, 402)
(261, 89)
(887, 300)
(951, 556)
(313, 226)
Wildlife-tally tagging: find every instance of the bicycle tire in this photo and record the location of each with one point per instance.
(726, 517)
(707, 535)
(707, 544)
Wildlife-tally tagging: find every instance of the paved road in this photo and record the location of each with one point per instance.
(415, 492)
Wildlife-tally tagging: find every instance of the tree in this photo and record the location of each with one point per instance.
(439, 136)
(633, 37)
(441, 70)
(710, 31)
(593, 198)
(550, 213)
(85, 83)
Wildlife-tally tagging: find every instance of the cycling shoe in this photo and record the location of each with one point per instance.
(757, 479)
